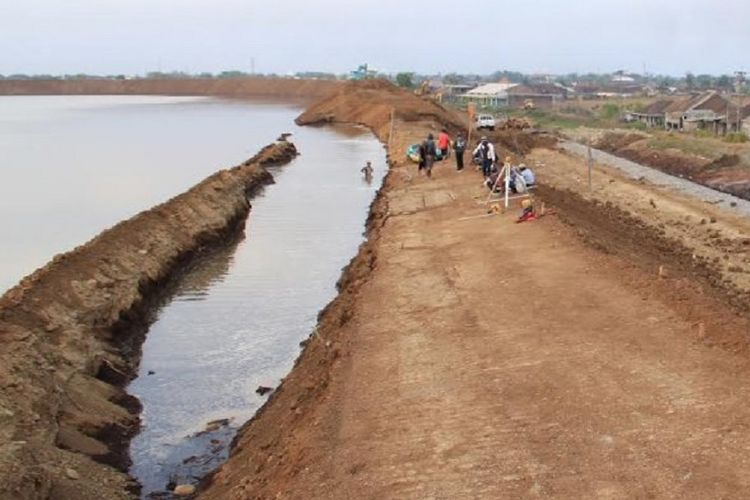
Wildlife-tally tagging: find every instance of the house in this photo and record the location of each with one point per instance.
(492, 95)
(653, 115)
(622, 90)
(538, 94)
(706, 111)
(745, 113)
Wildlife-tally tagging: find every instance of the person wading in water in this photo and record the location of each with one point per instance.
(367, 172)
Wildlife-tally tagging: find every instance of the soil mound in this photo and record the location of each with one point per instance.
(613, 142)
(724, 174)
(71, 335)
(370, 103)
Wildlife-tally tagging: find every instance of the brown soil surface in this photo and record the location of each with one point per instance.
(71, 334)
(724, 172)
(598, 352)
(272, 88)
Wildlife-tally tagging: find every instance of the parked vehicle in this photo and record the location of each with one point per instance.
(413, 153)
(485, 121)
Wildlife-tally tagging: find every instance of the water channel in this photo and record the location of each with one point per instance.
(76, 165)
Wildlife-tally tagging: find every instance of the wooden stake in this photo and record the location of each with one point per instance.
(390, 132)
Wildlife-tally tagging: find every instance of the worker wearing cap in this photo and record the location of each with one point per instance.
(486, 152)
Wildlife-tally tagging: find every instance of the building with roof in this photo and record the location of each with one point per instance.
(653, 115)
(491, 95)
(537, 94)
(621, 90)
(706, 111)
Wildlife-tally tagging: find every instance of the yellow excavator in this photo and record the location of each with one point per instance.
(423, 90)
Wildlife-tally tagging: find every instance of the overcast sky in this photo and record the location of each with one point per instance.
(477, 36)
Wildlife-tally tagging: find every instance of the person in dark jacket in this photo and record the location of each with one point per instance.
(427, 153)
(459, 147)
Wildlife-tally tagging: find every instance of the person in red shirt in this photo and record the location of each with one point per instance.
(444, 142)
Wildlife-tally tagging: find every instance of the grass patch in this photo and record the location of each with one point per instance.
(736, 137)
(687, 144)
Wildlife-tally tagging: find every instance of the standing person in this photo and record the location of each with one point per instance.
(430, 152)
(444, 142)
(367, 171)
(459, 147)
(486, 152)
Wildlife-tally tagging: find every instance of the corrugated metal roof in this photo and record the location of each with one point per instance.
(492, 89)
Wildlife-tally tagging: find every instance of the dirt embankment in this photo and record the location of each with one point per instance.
(68, 346)
(412, 387)
(722, 172)
(270, 88)
(370, 103)
(270, 446)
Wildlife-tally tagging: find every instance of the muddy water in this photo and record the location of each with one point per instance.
(237, 318)
(71, 166)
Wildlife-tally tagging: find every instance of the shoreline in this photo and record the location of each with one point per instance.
(304, 91)
(82, 317)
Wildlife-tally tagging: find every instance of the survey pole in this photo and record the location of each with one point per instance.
(590, 161)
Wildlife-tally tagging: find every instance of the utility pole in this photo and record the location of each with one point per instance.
(739, 77)
(590, 162)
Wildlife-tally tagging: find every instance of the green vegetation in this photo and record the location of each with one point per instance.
(685, 143)
(736, 137)
(610, 111)
(550, 119)
(405, 80)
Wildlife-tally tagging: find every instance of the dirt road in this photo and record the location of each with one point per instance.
(480, 358)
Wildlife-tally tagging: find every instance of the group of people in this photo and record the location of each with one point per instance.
(521, 176)
(429, 151)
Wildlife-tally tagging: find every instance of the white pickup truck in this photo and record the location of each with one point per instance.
(485, 121)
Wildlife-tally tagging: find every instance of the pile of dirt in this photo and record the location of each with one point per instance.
(613, 141)
(71, 335)
(371, 102)
(724, 174)
(513, 123)
(269, 88)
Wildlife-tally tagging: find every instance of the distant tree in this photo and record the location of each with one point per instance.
(704, 81)
(232, 74)
(511, 76)
(690, 81)
(724, 82)
(405, 80)
(453, 79)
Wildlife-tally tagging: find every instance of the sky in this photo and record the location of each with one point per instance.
(428, 37)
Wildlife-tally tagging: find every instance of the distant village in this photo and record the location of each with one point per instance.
(718, 104)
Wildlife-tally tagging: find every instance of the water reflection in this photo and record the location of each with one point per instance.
(71, 166)
(236, 323)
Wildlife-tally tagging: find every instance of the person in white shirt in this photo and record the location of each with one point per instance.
(486, 153)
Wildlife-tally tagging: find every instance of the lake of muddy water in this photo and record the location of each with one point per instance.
(71, 166)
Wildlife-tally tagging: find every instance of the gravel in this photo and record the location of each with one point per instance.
(637, 171)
